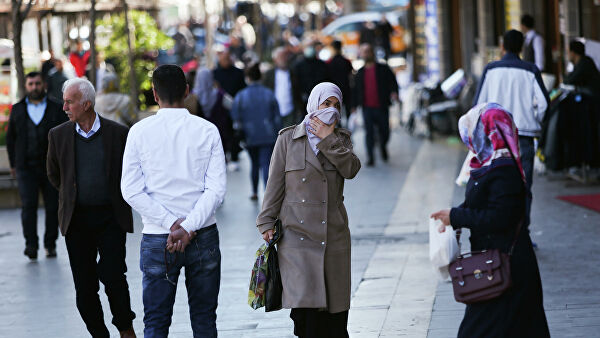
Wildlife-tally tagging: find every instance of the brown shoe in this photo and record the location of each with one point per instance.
(129, 333)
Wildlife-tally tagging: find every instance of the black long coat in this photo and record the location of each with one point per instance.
(494, 205)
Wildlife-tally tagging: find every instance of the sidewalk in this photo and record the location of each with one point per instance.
(395, 293)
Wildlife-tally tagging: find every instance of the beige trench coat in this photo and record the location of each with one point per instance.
(306, 192)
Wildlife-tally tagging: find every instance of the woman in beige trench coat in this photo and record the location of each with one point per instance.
(305, 190)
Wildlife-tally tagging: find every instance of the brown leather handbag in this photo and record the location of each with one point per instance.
(481, 275)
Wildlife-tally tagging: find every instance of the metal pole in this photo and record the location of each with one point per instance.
(133, 88)
(93, 53)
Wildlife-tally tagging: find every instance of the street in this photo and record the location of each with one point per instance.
(395, 292)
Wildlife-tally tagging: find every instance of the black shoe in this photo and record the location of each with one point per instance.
(371, 163)
(384, 154)
(254, 197)
(31, 253)
(50, 253)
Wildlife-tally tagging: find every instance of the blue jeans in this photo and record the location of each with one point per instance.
(202, 262)
(260, 156)
(527, 149)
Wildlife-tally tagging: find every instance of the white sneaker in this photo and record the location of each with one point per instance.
(233, 166)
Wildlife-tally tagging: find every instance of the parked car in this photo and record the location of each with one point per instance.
(347, 29)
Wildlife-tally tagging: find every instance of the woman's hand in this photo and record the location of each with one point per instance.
(321, 129)
(268, 235)
(444, 216)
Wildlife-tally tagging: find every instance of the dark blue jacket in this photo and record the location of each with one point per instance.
(256, 109)
(493, 207)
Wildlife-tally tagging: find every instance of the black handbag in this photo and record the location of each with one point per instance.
(273, 285)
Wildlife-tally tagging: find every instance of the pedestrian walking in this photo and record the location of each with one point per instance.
(310, 71)
(174, 175)
(27, 144)
(114, 105)
(231, 79)
(79, 59)
(375, 88)
(56, 79)
(340, 70)
(517, 86)
(305, 191)
(383, 33)
(284, 84)
(494, 207)
(85, 158)
(213, 101)
(533, 48)
(256, 112)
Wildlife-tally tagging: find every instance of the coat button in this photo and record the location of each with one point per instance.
(322, 222)
(322, 243)
(303, 201)
(476, 183)
(324, 201)
(301, 238)
(324, 180)
(301, 221)
(303, 179)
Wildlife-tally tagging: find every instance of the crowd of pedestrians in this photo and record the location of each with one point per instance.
(92, 169)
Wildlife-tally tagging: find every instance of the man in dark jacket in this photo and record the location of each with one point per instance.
(85, 160)
(27, 144)
(284, 85)
(585, 74)
(375, 87)
(310, 71)
(340, 71)
(232, 80)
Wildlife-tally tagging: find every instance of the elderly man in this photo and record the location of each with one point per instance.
(27, 144)
(174, 176)
(84, 164)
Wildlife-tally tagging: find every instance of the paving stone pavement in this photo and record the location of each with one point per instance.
(39, 298)
(395, 293)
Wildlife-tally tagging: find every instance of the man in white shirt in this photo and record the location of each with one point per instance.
(283, 83)
(174, 176)
(533, 48)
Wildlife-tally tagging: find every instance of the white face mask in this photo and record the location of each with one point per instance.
(309, 52)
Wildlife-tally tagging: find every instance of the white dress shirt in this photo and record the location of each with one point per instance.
(283, 91)
(95, 128)
(174, 167)
(36, 111)
(538, 48)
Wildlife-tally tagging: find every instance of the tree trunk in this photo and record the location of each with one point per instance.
(93, 56)
(133, 88)
(17, 28)
(18, 17)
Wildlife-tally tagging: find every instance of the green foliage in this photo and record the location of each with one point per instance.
(148, 40)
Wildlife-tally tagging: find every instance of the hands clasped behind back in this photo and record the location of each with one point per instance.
(179, 238)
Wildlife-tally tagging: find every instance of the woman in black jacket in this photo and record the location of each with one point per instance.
(493, 210)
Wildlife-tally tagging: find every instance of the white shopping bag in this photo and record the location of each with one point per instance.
(443, 248)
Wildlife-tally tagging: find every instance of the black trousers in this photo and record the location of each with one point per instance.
(312, 323)
(93, 231)
(31, 181)
(376, 118)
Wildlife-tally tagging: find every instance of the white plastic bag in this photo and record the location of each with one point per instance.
(443, 248)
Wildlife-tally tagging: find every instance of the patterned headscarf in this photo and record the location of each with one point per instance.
(488, 130)
(329, 115)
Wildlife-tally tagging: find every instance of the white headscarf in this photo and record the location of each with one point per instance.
(329, 115)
